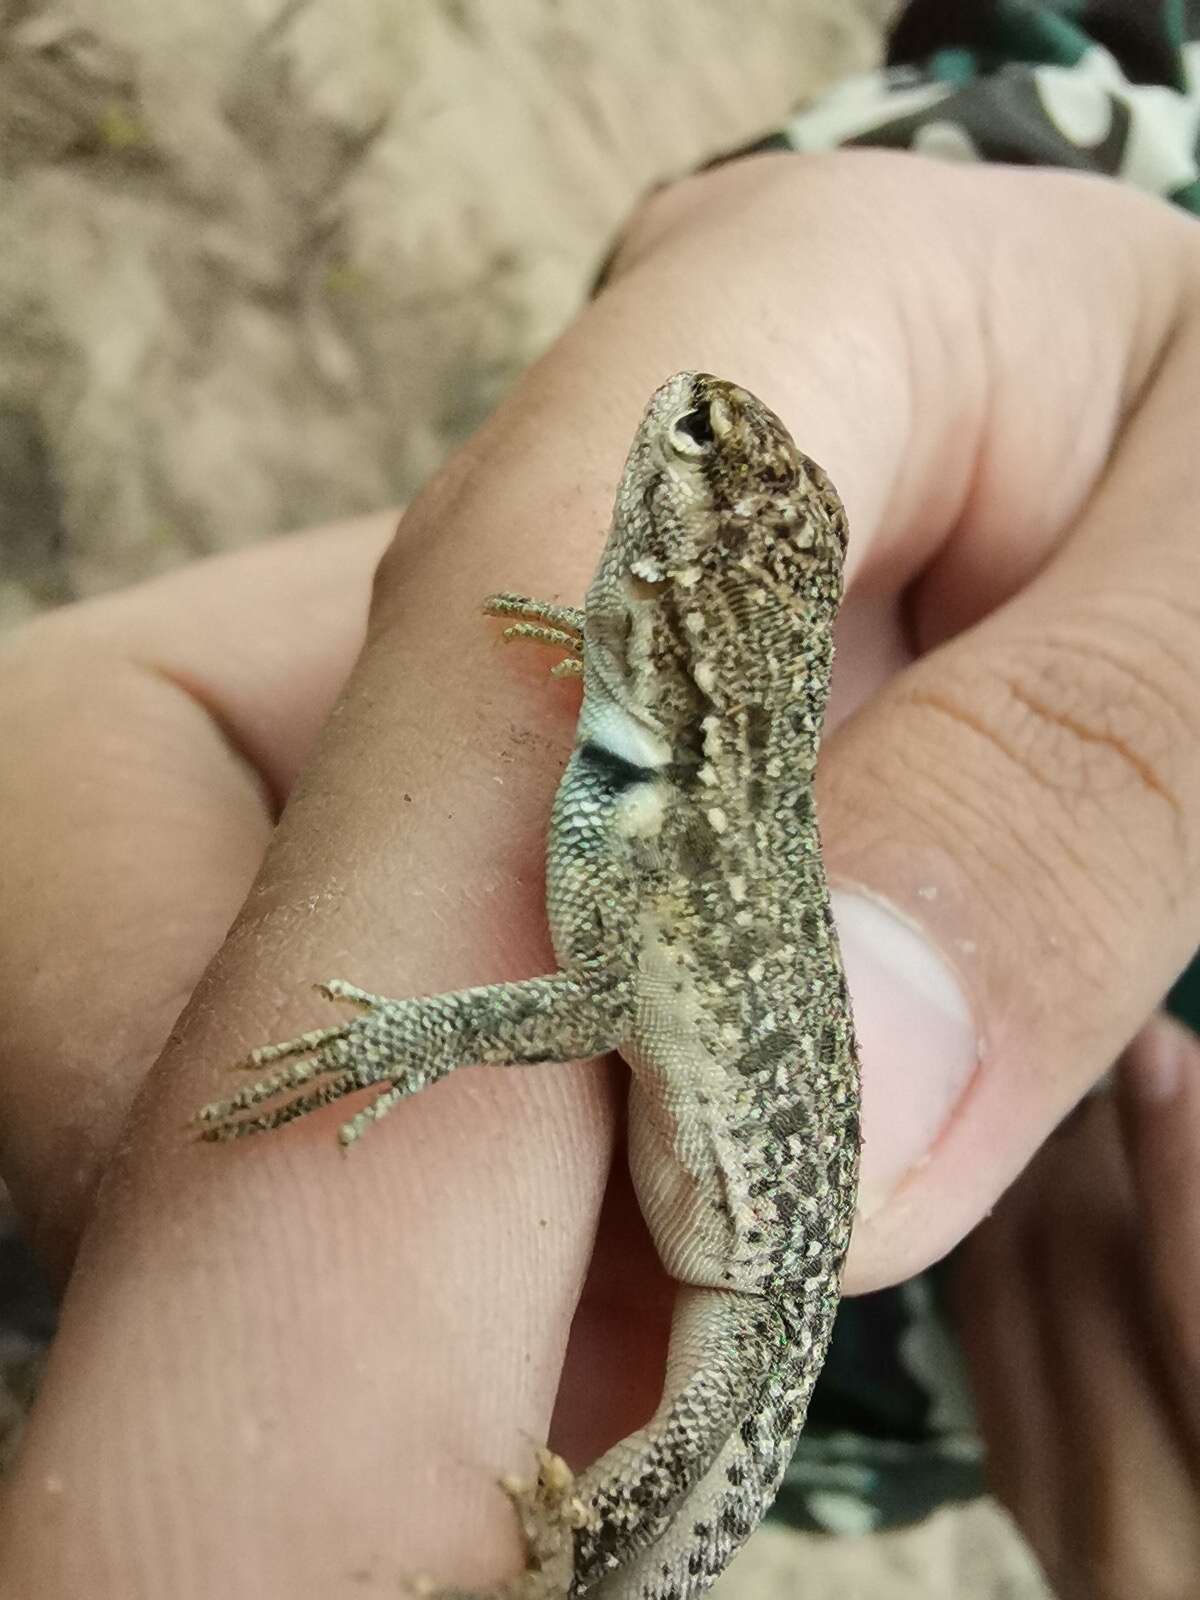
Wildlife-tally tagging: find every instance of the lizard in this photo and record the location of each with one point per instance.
(690, 917)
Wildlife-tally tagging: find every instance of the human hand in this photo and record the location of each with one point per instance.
(1078, 1301)
(995, 369)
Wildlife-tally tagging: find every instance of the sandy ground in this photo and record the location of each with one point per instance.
(263, 264)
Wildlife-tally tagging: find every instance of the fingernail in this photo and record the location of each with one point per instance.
(1152, 1068)
(918, 1039)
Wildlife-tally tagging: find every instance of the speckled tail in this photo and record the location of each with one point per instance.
(729, 1501)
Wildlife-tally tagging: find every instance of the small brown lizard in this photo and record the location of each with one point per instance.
(690, 915)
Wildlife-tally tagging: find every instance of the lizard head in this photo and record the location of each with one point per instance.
(723, 571)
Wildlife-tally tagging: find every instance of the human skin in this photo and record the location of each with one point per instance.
(1078, 1302)
(289, 1370)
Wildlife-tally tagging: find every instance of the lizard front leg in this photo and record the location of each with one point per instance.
(545, 622)
(406, 1044)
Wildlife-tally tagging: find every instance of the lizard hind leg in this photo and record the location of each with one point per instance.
(723, 1344)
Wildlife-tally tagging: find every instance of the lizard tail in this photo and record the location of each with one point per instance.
(726, 1505)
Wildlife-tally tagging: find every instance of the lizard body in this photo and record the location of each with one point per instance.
(691, 920)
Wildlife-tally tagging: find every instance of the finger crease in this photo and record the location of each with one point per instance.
(956, 713)
(225, 729)
(1086, 735)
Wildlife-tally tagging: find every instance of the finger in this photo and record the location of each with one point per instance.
(1160, 1116)
(158, 731)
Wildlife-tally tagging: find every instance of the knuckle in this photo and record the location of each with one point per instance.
(669, 211)
(758, 188)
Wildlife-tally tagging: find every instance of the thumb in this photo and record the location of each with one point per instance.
(1011, 825)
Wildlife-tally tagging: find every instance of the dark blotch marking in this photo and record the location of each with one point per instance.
(765, 1054)
(618, 773)
(735, 1523)
(828, 1046)
(650, 495)
(758, 729)
(684, 774)
(744, 947)
(736, 1474)
(697, 848)
(807, 1177)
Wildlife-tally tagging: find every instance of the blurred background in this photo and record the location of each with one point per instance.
(264, 263)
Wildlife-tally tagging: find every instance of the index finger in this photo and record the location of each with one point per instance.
(158, 732)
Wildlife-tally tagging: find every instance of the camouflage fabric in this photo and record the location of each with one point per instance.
(1099, 85)
(1111, 86)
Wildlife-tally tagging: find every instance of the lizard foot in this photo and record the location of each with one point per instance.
(550, 1513)
(325, 1063)
(545, 623)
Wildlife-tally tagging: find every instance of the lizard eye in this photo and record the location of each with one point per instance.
(692, 433)
(695, 432)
